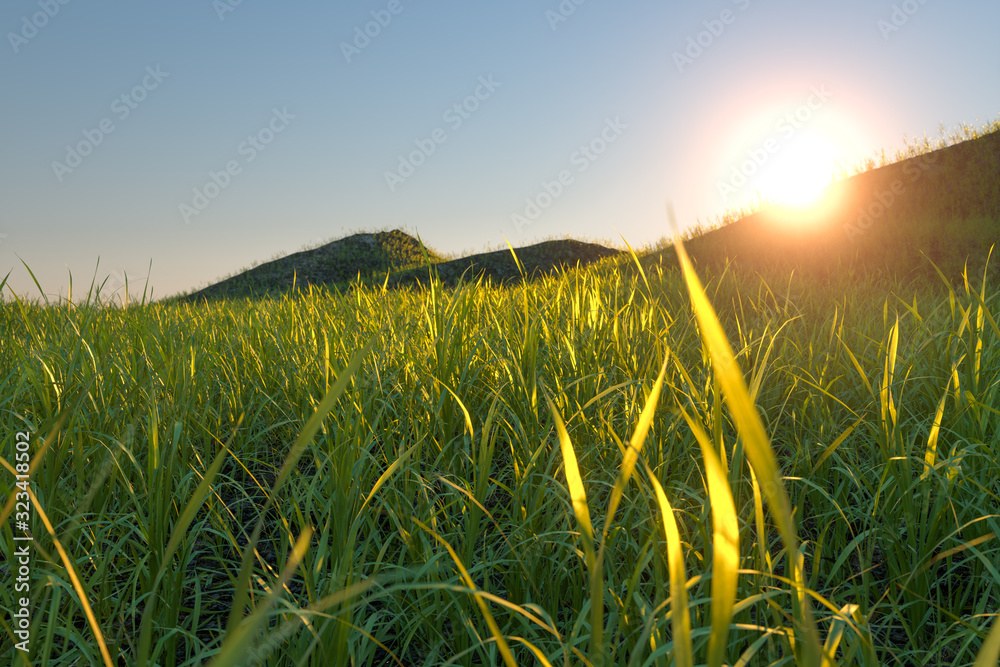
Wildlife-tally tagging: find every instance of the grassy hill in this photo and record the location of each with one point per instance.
(404, 259)
(500, 267)
(334, 263)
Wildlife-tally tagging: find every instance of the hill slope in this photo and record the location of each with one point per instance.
(337, 262)
(499, 266)
(373, 256)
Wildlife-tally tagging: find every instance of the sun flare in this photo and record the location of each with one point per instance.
(800, 175)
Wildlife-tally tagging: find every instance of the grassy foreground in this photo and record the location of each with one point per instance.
(549, 474)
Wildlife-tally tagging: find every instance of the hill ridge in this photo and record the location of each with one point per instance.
(400, 260)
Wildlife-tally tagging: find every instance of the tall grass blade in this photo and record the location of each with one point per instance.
(989, 654)
(725, 545)
(238, 641)
(632, 453)
(756, 442)
(931, 454)
(579, 497)
(88, 611)
(178, 534)
(680, 615)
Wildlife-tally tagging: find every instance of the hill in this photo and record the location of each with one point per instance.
(499, 267)
(335, 263)
(403, 259)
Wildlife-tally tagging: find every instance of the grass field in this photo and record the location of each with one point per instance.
(568, 471)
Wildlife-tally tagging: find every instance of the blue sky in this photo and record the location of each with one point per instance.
(200, 136)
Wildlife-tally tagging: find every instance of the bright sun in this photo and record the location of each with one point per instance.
(800, 173)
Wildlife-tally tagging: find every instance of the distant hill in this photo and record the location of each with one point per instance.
(401, 258)
(499, 267)
(335, 263)
(943, 205)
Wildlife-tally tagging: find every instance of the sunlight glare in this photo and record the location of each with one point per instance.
(801, 174)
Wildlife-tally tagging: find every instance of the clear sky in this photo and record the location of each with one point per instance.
(204, 135)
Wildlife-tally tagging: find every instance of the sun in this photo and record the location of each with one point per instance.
(794, 169)
(800, 173)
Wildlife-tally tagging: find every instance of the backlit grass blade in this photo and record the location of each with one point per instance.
(725, 545)
(629, 460)
(755, 440)
(632, 453)
(837, 628)
(680, 615)
(393, 467)
(638, 264)
(579, 497)
(931, 455)
(520, 267)
(835, 444)
(758, 513)
(888, 404)
(574, 480)
(989, 654)
(77, 585)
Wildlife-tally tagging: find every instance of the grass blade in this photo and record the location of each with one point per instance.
(725, 545)
(931, 455)
(237, 642)
(77, 585)
(989, 654)
(579, 497)
(680, 615)
(632, 453)
(756, 442)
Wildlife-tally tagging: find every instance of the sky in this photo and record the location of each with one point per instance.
(173, 144)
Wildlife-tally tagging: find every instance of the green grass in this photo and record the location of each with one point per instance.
(605, 466)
